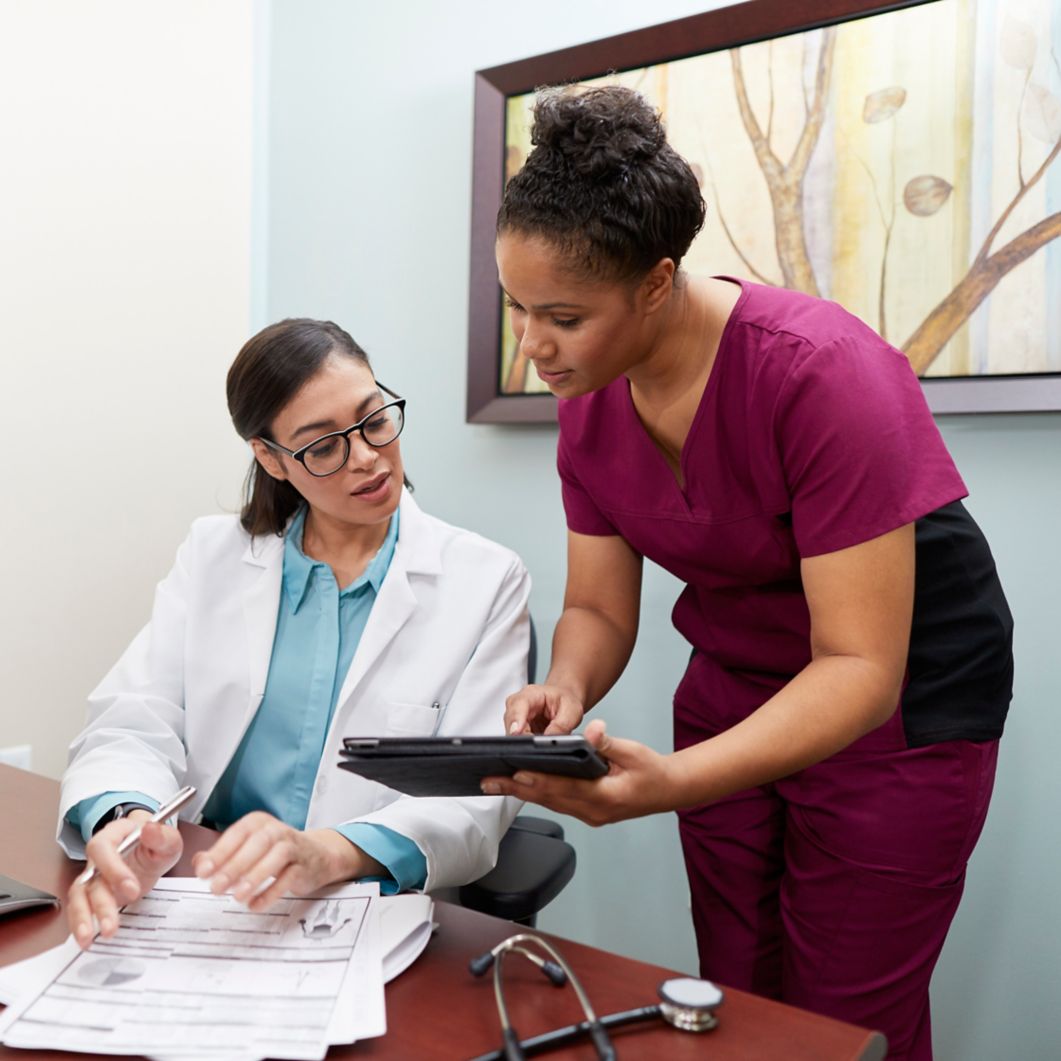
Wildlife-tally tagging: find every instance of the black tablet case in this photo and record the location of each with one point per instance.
(454, 766)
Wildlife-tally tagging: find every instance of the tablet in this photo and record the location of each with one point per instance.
(454, 766)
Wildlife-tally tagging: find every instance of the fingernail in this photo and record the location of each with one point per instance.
(514, 728)
(489, 788)
(204, 868)
(242, 890)
(523, 779)
(219, 884)
(107, 926)
(82, 932)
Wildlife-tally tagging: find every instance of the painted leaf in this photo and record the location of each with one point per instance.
(1042, 114)
(882, 104)
(923, 196)
(1017, 43)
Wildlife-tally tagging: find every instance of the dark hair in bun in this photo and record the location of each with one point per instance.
(603, 184)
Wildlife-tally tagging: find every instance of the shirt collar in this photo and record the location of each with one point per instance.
(299, 568)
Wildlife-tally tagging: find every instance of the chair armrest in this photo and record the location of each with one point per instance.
(531, 871)
(542, 826)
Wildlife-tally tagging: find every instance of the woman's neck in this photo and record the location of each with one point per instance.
(668, 385)
(684, 348)
(346, 548)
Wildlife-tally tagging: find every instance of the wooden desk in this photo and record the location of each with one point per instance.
(436, 1009)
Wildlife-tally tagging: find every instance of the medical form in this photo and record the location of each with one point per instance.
(189, 972)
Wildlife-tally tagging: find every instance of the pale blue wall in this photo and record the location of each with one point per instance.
(997, 988)
(368, 177)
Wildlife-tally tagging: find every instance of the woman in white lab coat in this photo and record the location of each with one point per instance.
(332, 607)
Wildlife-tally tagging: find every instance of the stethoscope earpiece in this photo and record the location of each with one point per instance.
(481, 965)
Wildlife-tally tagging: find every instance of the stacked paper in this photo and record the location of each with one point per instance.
(190, 974)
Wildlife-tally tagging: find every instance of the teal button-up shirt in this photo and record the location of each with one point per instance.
(318, 629)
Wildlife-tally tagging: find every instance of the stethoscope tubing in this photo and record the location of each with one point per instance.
(562, 1036)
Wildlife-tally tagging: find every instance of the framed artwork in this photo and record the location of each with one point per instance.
(900, 158)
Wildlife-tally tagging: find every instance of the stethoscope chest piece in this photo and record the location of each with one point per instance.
(689, 1004)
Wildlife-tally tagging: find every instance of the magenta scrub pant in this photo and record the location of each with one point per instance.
(833, 889)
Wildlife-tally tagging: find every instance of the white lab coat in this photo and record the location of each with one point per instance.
(449, 626)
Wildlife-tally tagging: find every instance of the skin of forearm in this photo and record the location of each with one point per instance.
(589, 653)
(830, 704)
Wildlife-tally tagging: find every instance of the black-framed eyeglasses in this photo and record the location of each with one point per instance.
(327, 454)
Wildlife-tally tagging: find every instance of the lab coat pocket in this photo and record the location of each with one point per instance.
(410, 720)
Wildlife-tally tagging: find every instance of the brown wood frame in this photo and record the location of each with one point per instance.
(722, 28)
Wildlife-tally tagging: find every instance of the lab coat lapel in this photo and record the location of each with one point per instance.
(395, 603)
(260, 601)
(416, 554)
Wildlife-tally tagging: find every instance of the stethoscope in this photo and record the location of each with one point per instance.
(685, 1003)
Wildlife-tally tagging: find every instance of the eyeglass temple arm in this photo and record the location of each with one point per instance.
(275, 445)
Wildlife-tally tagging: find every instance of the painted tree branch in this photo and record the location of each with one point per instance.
(1025, 187)
(812, 128)
(729, 234)
(740, 254)
(1020, 131)
(887, 225)
(785, 181)
(983, 276)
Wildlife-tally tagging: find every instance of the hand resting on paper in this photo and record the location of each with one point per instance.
(259, 847)
(250, 852)
(120, 880)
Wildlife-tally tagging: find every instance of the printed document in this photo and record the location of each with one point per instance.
(191, 973)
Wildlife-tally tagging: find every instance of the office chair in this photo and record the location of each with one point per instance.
(534, 862)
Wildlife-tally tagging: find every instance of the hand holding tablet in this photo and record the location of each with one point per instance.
(455, 766)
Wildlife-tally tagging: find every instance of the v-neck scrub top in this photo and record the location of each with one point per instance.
(812, 435)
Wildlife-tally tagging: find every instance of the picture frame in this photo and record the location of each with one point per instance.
(998, 233)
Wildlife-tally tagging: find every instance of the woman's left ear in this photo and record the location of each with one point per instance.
(268, 459)
(658, 284)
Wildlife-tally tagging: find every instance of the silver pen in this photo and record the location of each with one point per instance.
(132, 841)
(440, 714)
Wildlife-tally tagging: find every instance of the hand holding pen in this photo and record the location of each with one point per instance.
(126, 858)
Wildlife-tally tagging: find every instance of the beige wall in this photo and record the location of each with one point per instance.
(125, 245)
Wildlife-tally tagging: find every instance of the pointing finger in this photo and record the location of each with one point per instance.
(516, 709)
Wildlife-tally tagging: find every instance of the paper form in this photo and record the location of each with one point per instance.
(193, 973)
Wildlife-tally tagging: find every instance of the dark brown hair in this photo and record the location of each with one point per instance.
(267, 373)
(603, 185)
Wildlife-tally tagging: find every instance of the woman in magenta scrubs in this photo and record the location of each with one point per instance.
(837, 727)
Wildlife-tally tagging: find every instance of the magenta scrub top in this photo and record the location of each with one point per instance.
(812, 435)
